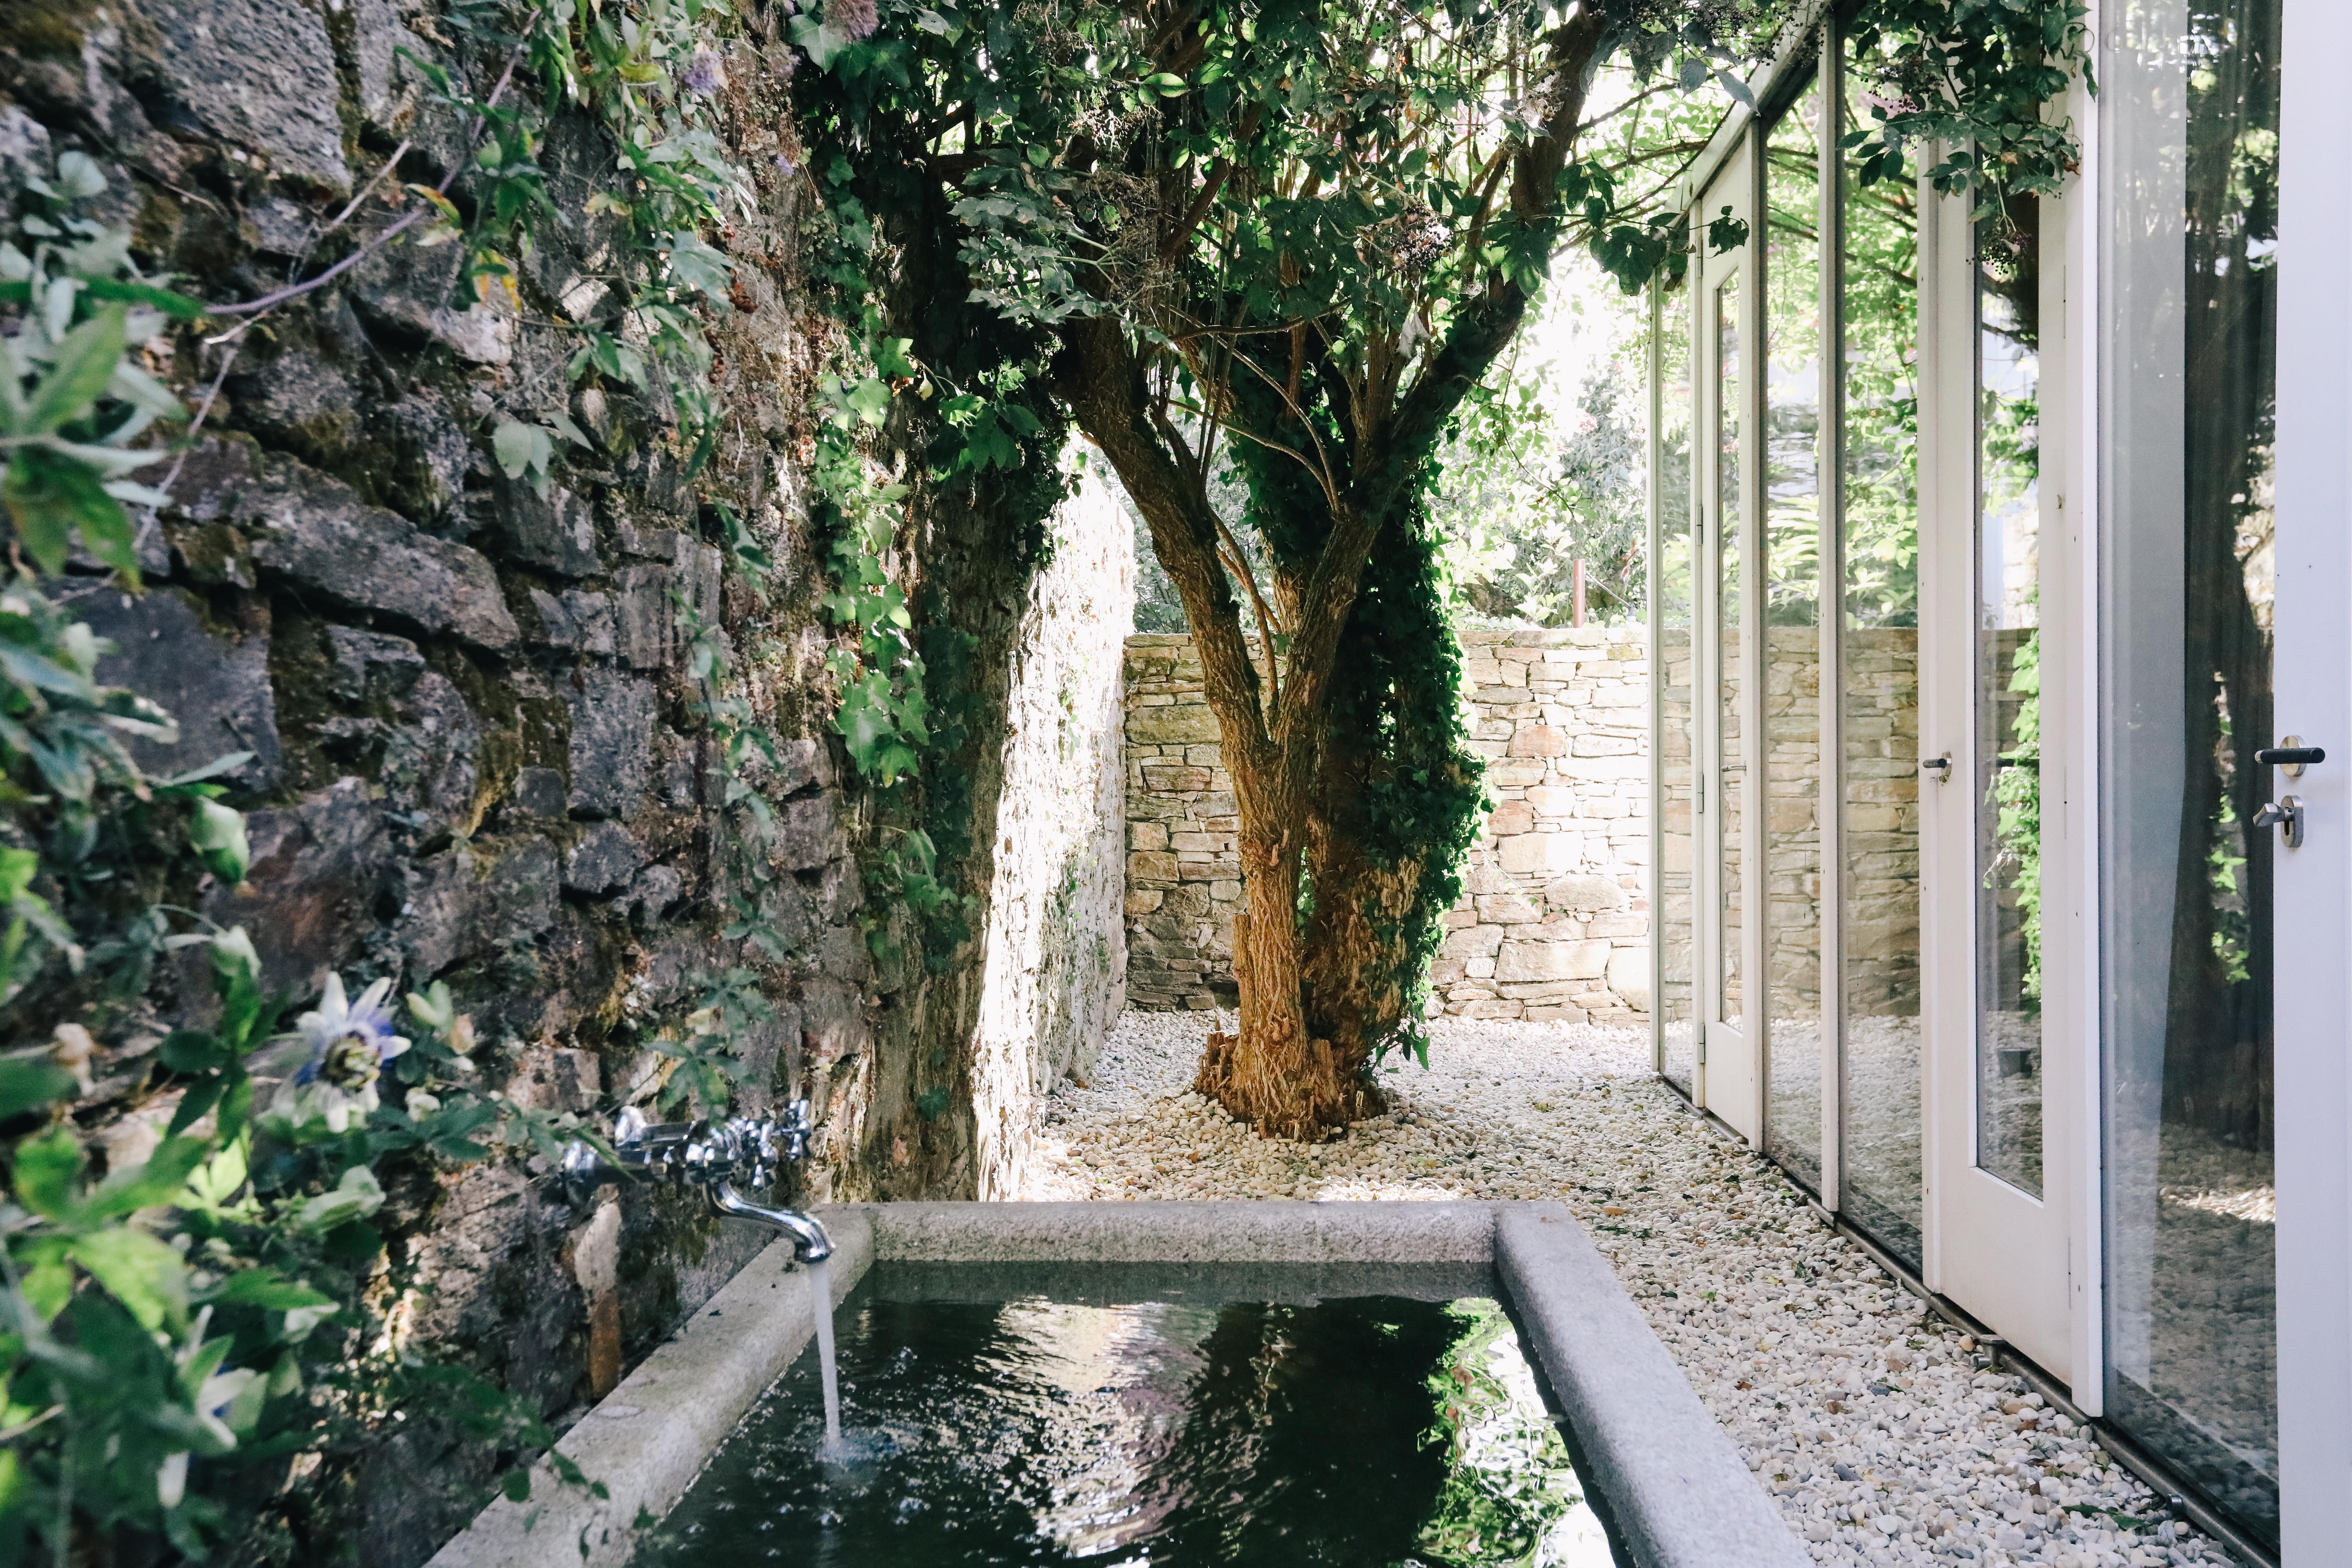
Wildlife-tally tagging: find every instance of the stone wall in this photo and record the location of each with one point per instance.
(1184, 870)
(1056, 957)
(1553, 923)
(478, 753)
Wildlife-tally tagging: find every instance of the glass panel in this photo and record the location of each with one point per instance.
(1677, 716)
(2190, 101)
(1878, 694)
(1729, 654)
(1792, 641)
(2008, 696)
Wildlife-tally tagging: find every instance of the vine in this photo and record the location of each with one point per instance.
(223, 1302)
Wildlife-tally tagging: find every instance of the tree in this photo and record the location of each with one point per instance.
(1291, 236)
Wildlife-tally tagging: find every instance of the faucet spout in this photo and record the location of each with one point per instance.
(810, 1243)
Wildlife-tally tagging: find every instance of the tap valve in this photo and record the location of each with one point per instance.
(714, 1155)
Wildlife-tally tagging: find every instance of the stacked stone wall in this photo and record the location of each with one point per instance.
(479, 749)
(1553, 921)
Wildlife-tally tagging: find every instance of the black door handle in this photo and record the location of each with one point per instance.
(2291, 756)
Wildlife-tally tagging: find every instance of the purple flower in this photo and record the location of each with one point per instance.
(348, 1043)
(705, 76)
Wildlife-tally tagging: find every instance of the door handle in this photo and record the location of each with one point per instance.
(2285, 813)
(1937, 768)
(2292, 756)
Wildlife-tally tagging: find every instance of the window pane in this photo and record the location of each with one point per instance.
(1729, 655)
(1677, 1000)
(2189, 105)
(2009, 695)
(1878, 693)
(1792, 641)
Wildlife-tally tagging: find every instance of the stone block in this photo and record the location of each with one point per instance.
(1472, 942)
(477, 896)
(315, 532)
(556, 533)
(1151, 867)
(1535, 961)
(256, 75)
(1584, 891)
(214, 682)
(1539, 854)
(575, 619)
(1539, 741)
(309, 897)
(1481, 876)
(1171, 726)
(801, 762)
(1628, 976)
(1146, 835)
(611, 742)
(1512, 817)
(1143, 900)
(1550, 801)
(1507, 910)
(605, 858)
(1478, 968)
(809, 833)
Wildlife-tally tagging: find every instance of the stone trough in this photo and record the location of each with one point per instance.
(1680, 1494)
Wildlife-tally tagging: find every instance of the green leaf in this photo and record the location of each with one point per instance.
(46, 1171)
(267, 1288)
(159, 1181)
(217, 833)
(84, 364)
(28, 1083)
(138, 1270)
(354, 1196)
(522, 448)
(50, 497)
(516, 1484)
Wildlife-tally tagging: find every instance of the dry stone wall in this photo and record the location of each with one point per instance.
(479, 753)
(1553, 921)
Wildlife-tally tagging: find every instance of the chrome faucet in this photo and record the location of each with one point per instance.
(713, 1155)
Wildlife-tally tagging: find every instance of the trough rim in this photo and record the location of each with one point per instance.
(1677, 1489)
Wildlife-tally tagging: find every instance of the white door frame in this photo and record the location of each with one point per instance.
(1728, 1081)
(1998, 1251)
(2311, 955)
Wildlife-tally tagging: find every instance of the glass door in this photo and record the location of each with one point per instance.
(1998, 1232)
(1728, 1082)
(2197, 882)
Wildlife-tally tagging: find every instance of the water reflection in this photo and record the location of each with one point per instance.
(1359, 1432)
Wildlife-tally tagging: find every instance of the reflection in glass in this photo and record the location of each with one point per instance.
(2189, 97)
(1792, 649)
(2007, 279)
(1878, 695)
(1732, 771)
(1677, 717)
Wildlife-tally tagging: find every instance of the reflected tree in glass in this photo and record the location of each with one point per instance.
(1878, 694)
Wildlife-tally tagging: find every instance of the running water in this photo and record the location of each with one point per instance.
(821, 1288)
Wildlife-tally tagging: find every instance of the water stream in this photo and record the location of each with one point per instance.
(821, 1298)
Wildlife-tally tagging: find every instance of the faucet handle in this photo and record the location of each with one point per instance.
(795, 1130)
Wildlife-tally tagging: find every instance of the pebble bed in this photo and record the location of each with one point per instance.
(1866, 1418)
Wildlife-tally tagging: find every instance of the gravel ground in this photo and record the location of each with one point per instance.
(1865, 1418)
